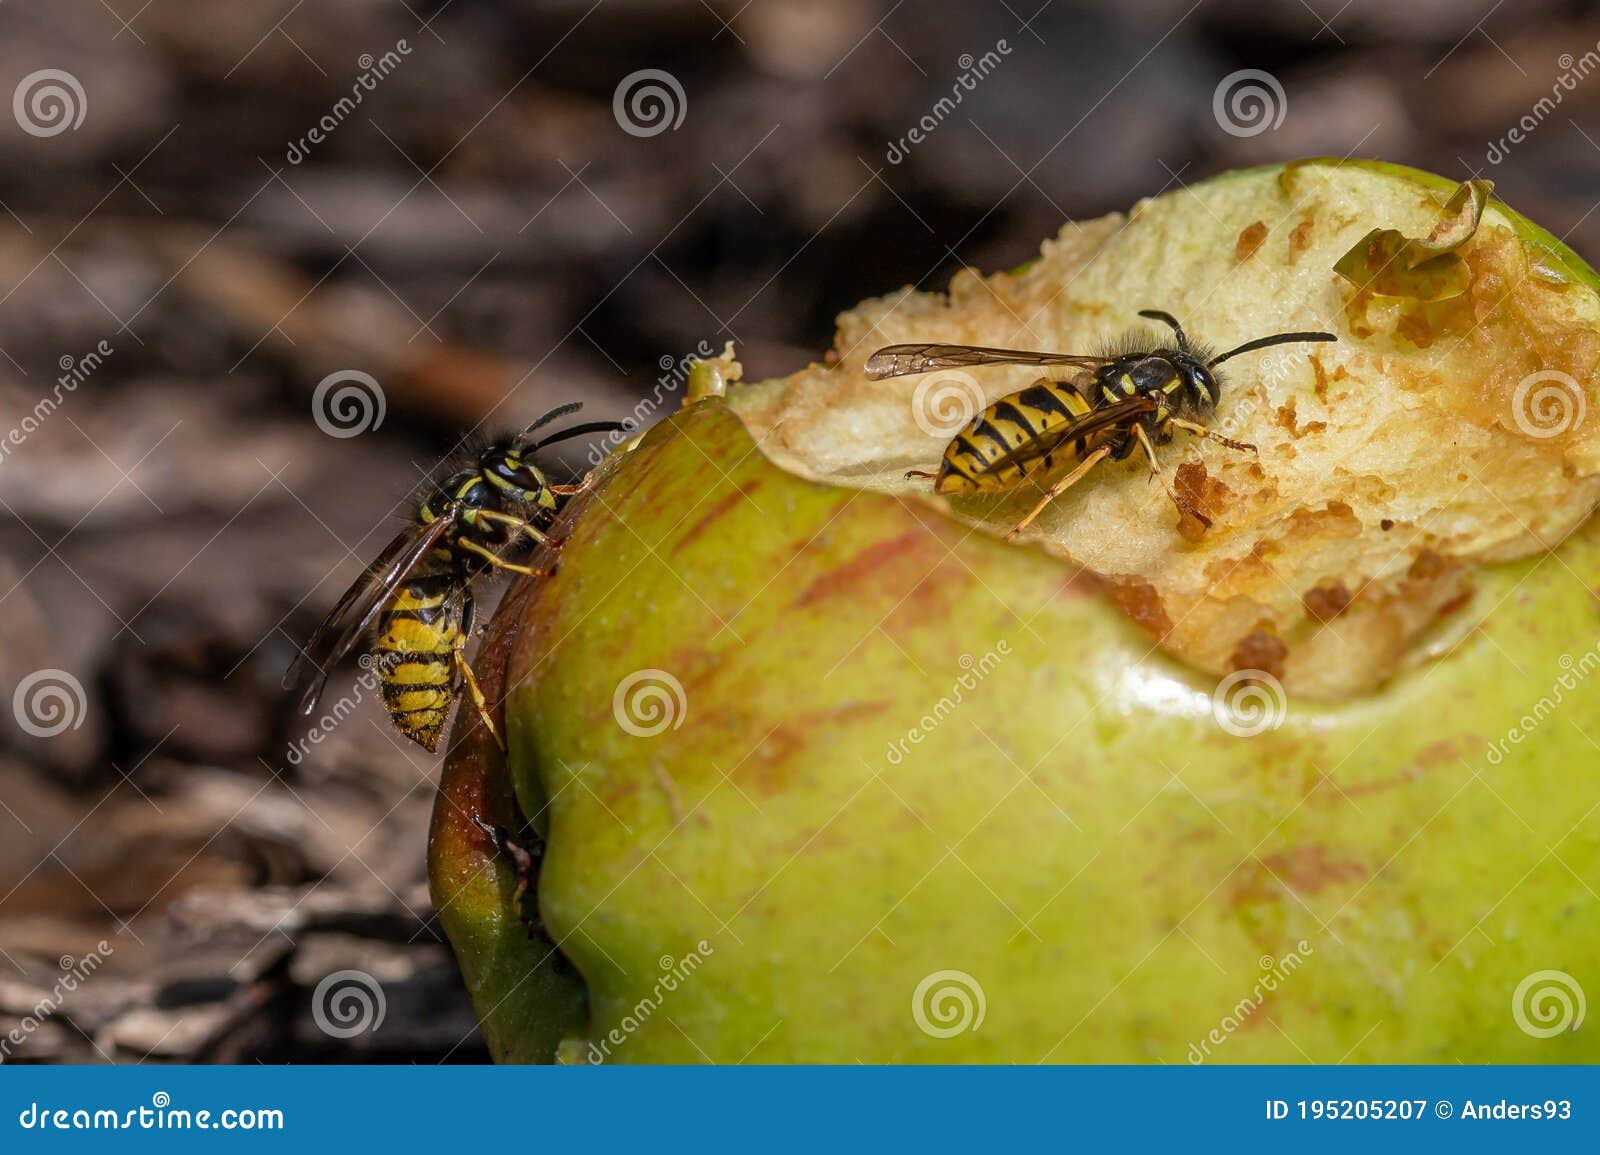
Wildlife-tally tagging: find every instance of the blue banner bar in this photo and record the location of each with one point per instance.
(771, 1108)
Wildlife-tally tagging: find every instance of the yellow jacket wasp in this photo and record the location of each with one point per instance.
(1135, 395)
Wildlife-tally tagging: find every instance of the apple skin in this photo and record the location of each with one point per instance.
(1121, 876)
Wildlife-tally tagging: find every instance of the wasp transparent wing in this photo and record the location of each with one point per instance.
(901, 360)
(356, 610)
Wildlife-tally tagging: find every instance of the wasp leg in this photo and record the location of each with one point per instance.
(1184, 507)
(1212, 434)
(470, 680)
(564, 490)
(497, 561)
(920, 473)
(512, 519)
(1061, 487)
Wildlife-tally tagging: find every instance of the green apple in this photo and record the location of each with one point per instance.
(826, 769)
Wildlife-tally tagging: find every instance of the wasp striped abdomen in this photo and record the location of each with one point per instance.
(984, 457)
(419, 633)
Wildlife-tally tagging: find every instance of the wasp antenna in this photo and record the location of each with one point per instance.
(558, 412)
(1166, 319)
(1275, 339)
(580, 430)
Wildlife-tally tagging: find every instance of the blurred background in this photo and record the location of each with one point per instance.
(263, 264)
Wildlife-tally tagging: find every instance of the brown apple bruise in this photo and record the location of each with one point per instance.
(1391, 467)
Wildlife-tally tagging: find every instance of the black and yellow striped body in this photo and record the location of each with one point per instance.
(413, 605)
(1019, 436)
(418, 635)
